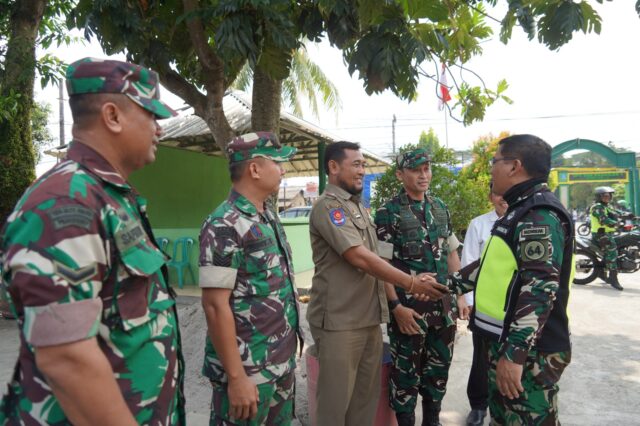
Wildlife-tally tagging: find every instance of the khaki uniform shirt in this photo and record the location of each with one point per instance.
(342, 296)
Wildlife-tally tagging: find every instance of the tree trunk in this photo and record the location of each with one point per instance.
(17, 161)
(265, 102)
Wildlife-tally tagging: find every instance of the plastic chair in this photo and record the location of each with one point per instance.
(180, 259)
(163, 243)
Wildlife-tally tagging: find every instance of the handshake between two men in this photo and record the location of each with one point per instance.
(425, 287)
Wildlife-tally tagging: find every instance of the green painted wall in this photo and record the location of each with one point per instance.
(183, 188)
(297, 230)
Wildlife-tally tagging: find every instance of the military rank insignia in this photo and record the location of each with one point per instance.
(337, 216)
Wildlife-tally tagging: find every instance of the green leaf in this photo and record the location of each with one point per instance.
(434, 10)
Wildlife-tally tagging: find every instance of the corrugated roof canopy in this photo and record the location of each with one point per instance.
(192, 133)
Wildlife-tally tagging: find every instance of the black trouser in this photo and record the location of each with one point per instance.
(478, 385)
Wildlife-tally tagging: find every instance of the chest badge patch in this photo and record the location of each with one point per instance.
(256, 231)
(337, 216)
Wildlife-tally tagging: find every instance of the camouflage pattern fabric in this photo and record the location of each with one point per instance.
(608, 245)
(606, 216)
(412, 159)
(540, 280)
(79, 261)
(263, 299)
(275, 407)
(538, 404)
(540, 243)
(436, 313)
(259, 144)
(141, 85)
(420, 363)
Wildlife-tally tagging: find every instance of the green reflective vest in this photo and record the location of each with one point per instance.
(498, 284)
(595, 221)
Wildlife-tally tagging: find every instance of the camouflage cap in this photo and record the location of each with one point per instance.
(412, 159)
(91, 75)
(258, 144)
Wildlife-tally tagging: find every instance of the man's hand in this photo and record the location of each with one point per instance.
(243, 398)
(406, 319)
(463, 308)
(426, 284)
(508, 378)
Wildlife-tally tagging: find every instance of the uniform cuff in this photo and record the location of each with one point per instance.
(61, 323)
(217, 277)
(513, 353)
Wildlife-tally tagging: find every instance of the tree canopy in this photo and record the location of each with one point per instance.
(199, 47)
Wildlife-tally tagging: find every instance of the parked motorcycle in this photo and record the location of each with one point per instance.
(590, 262)
(585, 228)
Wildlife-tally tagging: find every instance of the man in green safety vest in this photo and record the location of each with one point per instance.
(521, 287)
(604, 222)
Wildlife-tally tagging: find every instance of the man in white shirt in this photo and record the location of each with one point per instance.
(477, 234)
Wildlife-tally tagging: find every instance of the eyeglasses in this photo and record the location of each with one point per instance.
(495, 160)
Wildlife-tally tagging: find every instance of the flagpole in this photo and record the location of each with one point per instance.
(446, 125)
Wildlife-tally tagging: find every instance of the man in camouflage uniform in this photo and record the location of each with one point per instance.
(99, 337)
(604, 222)
(421, 333)
(522, 287)
(249, 296)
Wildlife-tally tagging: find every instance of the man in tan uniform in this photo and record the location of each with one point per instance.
(348, 301)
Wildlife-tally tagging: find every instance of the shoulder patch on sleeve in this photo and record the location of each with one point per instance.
(534, 232)
(73, 215)
(337, 216)
(75, 276)
(535, 251)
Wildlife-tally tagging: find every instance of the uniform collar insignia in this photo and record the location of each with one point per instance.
(94, 162)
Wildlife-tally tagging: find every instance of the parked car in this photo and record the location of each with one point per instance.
(296, 212)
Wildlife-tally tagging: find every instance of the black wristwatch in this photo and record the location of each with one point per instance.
(393, 304)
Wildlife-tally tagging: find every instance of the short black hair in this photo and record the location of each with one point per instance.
(236, 170)
(87, 106)
(533, 153)
(335, 152)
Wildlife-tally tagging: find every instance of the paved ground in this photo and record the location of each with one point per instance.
(601, 386)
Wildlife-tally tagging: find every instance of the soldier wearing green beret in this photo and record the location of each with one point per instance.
(99, 341)
(522, 284)
(248, 292)
(417, 226)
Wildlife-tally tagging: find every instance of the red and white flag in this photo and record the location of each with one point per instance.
(444, 95)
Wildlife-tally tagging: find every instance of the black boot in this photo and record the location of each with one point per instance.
(613, 280)
(406, 419)
(431, 413)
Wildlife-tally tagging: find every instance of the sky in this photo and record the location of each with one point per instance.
(588, 89)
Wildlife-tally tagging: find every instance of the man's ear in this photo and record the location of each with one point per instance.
(254, 169)
(517, 166)
(399, 174)
(332, 167)
(111, 117)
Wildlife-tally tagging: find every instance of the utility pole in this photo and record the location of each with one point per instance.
(61, 108)
(393, 134)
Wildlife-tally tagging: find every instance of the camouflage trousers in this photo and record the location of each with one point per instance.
(538, 404)
(420, 365)
(275, 406)
(608, 245)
